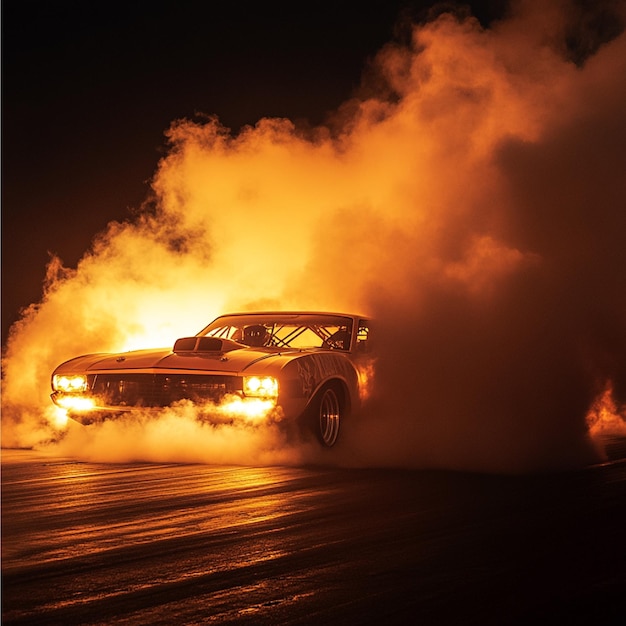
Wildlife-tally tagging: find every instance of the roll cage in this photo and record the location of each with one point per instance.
(293, 331)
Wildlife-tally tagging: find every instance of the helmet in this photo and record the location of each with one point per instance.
(255, 335)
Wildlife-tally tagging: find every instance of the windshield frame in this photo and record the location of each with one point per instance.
(287, 330)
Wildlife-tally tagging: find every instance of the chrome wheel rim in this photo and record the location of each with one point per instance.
(329, 417)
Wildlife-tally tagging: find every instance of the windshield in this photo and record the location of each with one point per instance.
(297, 331)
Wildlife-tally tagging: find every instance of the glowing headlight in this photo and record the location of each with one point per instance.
(76, 403)
(69, 384)
(260, 386)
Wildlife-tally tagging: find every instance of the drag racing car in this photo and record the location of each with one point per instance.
(293, 367)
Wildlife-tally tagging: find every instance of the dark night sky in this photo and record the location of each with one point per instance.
(88, 90)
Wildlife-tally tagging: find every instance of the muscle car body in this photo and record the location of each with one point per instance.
(293, 366)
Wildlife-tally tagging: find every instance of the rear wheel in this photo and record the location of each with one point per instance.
(327, 416)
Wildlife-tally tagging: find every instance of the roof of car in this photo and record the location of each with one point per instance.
(292, 312)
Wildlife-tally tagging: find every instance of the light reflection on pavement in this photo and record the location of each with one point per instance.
(160, 543)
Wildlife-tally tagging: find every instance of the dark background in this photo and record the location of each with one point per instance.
(88, 89)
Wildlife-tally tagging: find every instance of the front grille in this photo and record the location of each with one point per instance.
(159, 390)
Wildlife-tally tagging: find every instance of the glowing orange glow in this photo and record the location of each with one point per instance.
(250, 408)
(605, 416)
(76, 403)
(57, 417)
(366, 376)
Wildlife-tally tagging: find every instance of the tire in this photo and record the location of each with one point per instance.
(328, 412)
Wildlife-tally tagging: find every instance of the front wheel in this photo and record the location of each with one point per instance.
(327, 414)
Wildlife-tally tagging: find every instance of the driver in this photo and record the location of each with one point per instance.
(255, 336)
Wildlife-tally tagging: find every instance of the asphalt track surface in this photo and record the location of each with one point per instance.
(89, 543)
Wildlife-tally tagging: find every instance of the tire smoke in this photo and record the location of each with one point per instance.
(469, 198)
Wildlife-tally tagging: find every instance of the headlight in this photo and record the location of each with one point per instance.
(260, 386)
(69, 384)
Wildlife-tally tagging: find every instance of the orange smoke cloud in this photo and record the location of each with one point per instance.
(472, 206)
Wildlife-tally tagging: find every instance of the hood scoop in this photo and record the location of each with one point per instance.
(205, 344)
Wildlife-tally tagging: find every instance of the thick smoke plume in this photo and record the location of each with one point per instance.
(470, 199)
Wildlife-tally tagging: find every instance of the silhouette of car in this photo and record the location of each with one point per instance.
(292, 367)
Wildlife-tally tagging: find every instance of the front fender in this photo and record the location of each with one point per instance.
(309, 373)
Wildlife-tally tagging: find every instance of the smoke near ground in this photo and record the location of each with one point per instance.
(469, 198)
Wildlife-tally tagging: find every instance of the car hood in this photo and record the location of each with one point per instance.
(227, 362)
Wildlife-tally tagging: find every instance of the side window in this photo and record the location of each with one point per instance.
(362, 336)
(339, 338)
